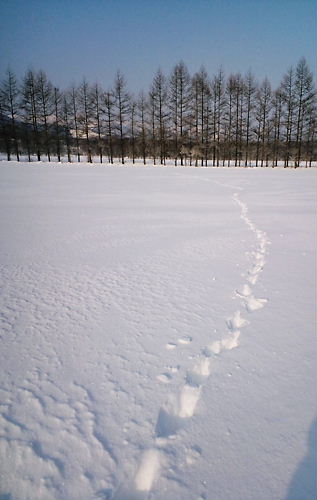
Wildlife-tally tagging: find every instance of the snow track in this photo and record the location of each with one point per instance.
(179, 408)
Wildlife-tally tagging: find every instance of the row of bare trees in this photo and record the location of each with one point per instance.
(194, 120)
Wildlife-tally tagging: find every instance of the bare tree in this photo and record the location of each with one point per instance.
(179, 102)
(238, 88)
(66, 124)
(311, 133)
(97, 111)
(229, 117)
(75, 124)
(5, 130)
(201, 94)
(57, 112)
(159, 102)
(250, 88)
(45, 105)
(122, 102)
(133, 124)
(85, 117)
(277, 103)
(30, 109)
(218, 101)
(152, 124)
(304, 97)
(141, 108)
(264, 105)
(173, 105)
(208, 120)
(288, 93)
(9, 94)
(195, 118)
(110, 117)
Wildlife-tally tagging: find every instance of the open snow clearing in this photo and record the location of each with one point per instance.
(158, 332)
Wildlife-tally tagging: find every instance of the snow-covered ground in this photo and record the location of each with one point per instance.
(158, 333)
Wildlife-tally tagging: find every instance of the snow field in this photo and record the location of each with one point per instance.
(158, 332)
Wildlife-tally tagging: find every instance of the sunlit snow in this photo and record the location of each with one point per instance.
(158, 332)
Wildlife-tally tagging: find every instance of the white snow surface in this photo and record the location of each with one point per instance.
(158, 332)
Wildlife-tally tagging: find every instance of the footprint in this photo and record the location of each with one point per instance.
(260, 258)
(225, 344)
(253, 304)
(170, 346)
(167, 425)
(231, 342)
(253, 279)
(244, 291)
(173, 369)
(185, 340)
(236, 322)
(214, 348)
(192, 455)
(261, 262)
(255, 269)
(165, 378)
(262, 245)
(147, 470)
(188, 400)
(260, 234)
(196, 376)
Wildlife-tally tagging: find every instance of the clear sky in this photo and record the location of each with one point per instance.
(70, 39)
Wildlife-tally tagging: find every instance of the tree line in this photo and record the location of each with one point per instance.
(190, 119)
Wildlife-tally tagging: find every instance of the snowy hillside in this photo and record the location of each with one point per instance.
(158, 333)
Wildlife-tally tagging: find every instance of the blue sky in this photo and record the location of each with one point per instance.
(70, 39)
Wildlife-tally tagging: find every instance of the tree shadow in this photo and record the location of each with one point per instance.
(303, 483)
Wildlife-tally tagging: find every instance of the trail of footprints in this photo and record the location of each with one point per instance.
(179, 408)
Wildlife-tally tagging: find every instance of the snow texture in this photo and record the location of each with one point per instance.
(158, 333)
